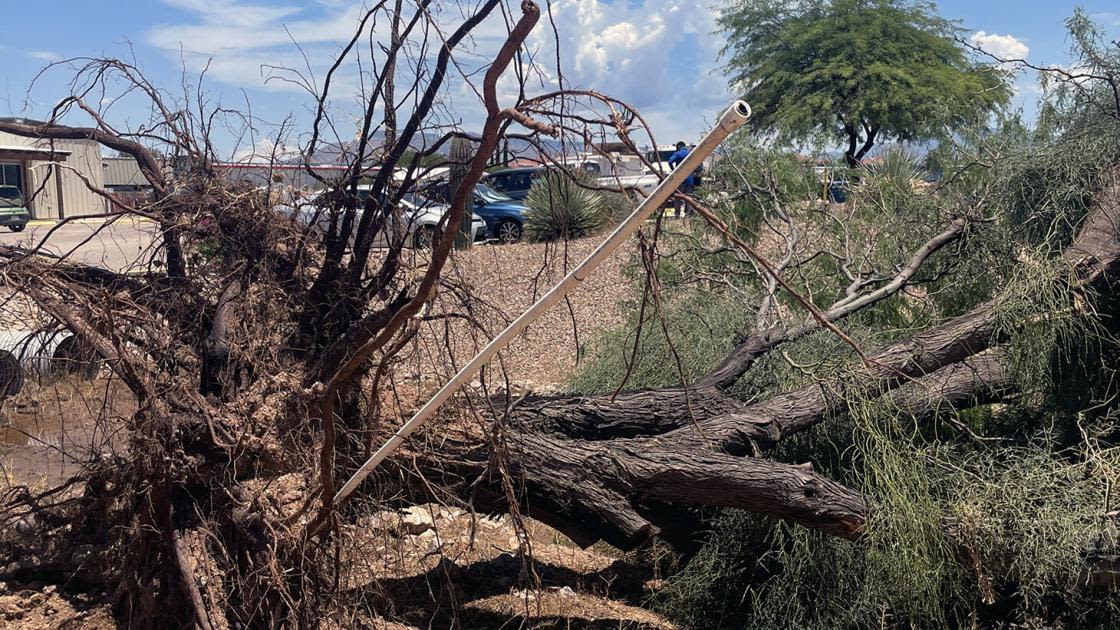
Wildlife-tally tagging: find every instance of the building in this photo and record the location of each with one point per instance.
(123, 175)
(291, 176)
(51, 191)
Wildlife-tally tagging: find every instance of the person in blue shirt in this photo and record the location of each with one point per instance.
(687, 185)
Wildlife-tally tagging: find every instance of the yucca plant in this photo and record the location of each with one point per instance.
(560, 206)
(899, 168)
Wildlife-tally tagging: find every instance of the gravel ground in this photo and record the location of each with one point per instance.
(504, 281)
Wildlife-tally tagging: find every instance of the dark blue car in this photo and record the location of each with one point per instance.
(504, 217)
(514, 182)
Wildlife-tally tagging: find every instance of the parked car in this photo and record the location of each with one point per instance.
(516, 182)
(419, 219)
(513, 182)
(13, 209)
(504, 216)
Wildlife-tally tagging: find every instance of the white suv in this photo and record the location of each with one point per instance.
(418, 219)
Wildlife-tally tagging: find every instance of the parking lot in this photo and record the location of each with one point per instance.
(117, 246)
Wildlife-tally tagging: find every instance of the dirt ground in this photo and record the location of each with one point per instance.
(429, 551)
(506, 280)
(37, 606)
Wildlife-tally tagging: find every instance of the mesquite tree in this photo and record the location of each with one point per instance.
(250, 356)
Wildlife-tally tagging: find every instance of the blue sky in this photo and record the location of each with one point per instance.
(660, 55)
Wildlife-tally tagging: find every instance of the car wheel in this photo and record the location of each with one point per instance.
(508, 231)
(426, 237)
(17, 228)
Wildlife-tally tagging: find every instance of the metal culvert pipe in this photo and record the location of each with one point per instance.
(41, 353)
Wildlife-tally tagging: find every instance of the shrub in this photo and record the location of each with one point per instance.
(560, 206)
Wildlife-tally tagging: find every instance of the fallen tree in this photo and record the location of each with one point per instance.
(250, 359)
(644, 451)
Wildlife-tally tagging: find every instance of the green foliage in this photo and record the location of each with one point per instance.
(1022, 519)
(1078, 99)
(700, 330)
(561, 206)
(1031, 513)
(1040, 186)
(756, 178)
(986, 517)
(1040, 178)
(895, 175)
(618, 206)
(855, 69)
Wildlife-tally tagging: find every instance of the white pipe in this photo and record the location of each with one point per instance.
(732, 119)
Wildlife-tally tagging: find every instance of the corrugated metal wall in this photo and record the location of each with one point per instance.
(77, 199)
(122, 171)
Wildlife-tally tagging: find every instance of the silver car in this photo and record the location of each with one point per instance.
(418, 221)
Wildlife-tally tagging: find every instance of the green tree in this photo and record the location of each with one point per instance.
(860, 70)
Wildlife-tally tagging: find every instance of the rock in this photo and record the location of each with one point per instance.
(13, 613)
(428, 541)
(26, 526)
(566, 592)
(493, 522)
(417, 520)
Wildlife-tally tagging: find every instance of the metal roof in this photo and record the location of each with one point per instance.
(39, 150)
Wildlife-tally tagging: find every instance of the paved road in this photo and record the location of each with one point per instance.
(118, 246)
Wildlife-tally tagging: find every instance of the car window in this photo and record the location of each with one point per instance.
(9, 192)
(592, 168)
(499, 181)
(417, 201)
(489, 195)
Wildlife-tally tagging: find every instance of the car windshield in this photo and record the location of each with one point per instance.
(417, 201)
(9, 192)
(489, 195)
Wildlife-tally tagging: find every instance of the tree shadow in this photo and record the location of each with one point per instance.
(440, 596)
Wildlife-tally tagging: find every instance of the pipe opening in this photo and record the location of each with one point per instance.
(11, 374)
(742, 108)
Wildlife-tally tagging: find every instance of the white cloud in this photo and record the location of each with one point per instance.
(656, 55)
(1109, 18)
(265, 150)
(1002, 46)
(44, 55)
(236, 39)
